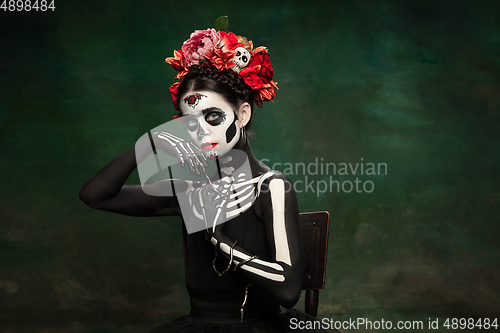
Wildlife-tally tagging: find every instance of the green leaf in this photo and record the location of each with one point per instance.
(193, 67)
(221, 23)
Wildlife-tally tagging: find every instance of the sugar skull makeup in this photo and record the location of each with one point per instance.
(210, 121)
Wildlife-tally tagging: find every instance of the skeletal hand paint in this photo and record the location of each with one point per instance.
(184, 151)
(209, 128)
(163, 173)
(209, 203)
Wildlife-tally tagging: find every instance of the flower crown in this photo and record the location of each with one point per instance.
(224, 50)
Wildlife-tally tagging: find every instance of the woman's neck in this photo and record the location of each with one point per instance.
(234, 158)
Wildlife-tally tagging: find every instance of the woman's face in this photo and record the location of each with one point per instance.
(210, 121)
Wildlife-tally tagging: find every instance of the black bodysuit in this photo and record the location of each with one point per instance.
(216, 301)
(267, 228)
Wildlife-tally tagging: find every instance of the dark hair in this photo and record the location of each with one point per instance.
(227, 83)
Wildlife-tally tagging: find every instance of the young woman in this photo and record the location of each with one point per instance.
(243, 248)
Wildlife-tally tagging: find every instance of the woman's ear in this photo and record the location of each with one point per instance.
(244, 114)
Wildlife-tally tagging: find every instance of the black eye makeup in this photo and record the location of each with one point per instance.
(215, 117)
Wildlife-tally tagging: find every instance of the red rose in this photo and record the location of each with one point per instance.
(253, 81)
(266, 70)
(173, 92)
(229, 41)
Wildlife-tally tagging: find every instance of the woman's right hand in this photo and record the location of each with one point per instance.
(185, 151)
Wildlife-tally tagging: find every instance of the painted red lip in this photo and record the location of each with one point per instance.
(208, 145)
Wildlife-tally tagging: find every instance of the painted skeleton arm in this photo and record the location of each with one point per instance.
(282, 276)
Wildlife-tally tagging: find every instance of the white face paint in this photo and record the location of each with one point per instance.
(210, 121)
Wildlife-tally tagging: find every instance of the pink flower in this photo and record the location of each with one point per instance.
(199, 43)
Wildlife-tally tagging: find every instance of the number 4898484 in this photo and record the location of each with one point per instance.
(27, 5)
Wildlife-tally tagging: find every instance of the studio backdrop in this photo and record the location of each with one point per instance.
(387, 116)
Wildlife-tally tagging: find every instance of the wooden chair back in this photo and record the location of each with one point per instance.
(314, 228)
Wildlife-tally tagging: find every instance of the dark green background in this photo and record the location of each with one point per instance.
(414, 84)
